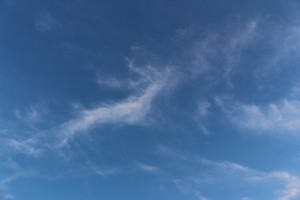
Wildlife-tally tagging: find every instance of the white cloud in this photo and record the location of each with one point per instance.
(197, 175)
(133, 110)
(227, 166)
(292, 189)
(28, 146)
(147, 83)
(147, 168)
(104, 172)
(291, 184)
(203, 108)
(283, 116)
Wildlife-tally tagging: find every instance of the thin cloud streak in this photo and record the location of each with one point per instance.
(196, 173)
(147, 168)
(27, 146)
(104, 172)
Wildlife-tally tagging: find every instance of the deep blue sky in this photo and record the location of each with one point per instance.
(131, 100)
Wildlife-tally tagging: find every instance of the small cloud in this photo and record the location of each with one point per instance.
(184, 32)
(147, 168)
(31, 115)
(46, 22)
(104, 171)
(11, 164)
(135, 47)
(203, 108)
(28, 146)
(202, 112)
(246, 198)
(111, 82)
(229, 166)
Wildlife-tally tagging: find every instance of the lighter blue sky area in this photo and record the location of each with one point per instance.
(131, 100)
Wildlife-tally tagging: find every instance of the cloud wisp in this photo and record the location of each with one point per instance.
(292, 188)
(197, 175)
(46, 22)
(130, 111)
(147, 168)
(104, 172)
(218, 54)
(27, 146)
(133, 110)
(279, 117)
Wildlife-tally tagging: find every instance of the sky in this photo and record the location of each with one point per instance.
(149, 100)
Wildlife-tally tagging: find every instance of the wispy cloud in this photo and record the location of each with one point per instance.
(285, 44)
(216, 56)
(104, 172)
(220, 56)
(241, 39)
(147, 83)
(189, 189)
(246, 198)
(197, 175)
(27, 146)
(202, 112)
(203, 108)
(46, 22)
(18, 172)
(292, 189)
(7, 180)
(282, 116)
(112, 82)
(147, 168)
(130, 111)
(32, 115)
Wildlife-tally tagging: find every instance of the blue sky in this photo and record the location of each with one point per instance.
(131, 100)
